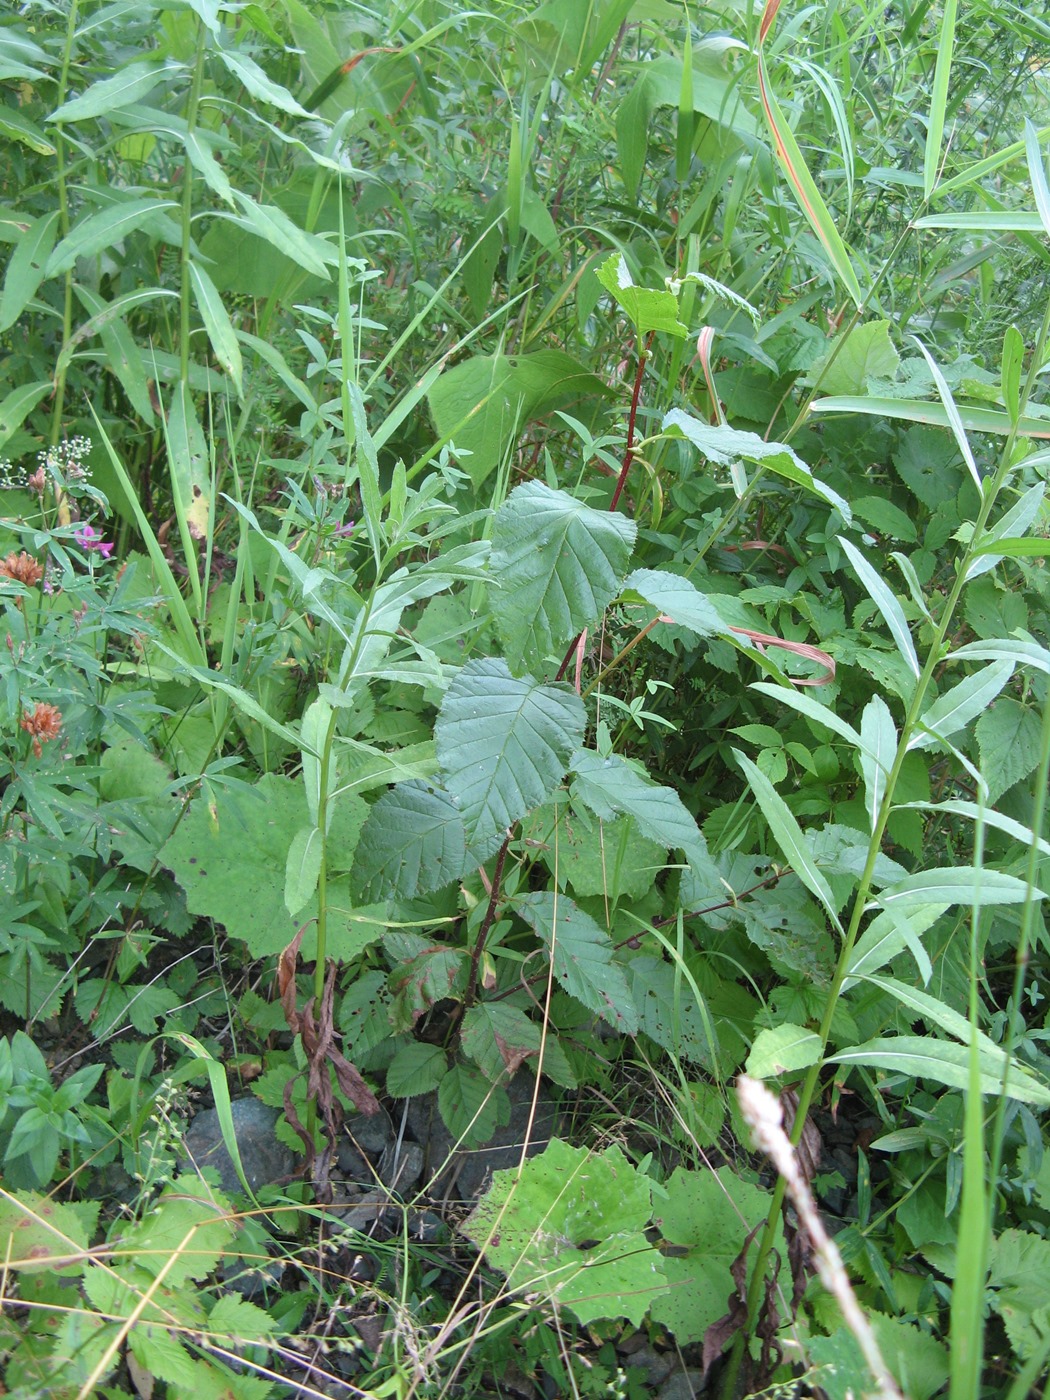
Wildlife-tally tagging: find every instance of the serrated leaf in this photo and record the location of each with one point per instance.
(237, 1317)
(413, 842)
(955, 709)
(646, 309)
(610, 786)
(725, 445)
(583, 957)
(471, 1107)
(499, 1038)
(788, 835)
(856, 356)
(571, 1224)
(1009, 742)
(504, 744)
(182, 1234)
(681, 600)
(782, 1050)
(259, 83)
(416, 1069)
(558, 564)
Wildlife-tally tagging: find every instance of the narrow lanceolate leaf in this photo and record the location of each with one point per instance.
(794, 166)
(812, 709)
(964, 702)
(582, 957)
(504, 745)
(218, 325)
(957, 884)
(259, 83)
(677, 598)
(25, 271)
(412, 843)
(952, 412)
(103, 229)
(302, 868)
(973, 812)
(188, 462)
(883, 598)
(1008, 530)
(274, 225)
(557, 564)
(610, 787)
(1024, 653)
(879, 750)
(976, 420)
(130, 85)
(18, 403)
(889, 933)
(939, 99)
(945, 1062)
(725, 445)
(788, 835)
(1037, 170)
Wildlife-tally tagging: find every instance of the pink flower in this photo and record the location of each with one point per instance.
(91, 539)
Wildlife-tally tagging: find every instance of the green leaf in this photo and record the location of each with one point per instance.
(36, 1231)
(413, 842)
(977, 420)
(25, 271)
(499, 1038)
(956, 884)
(571, 1225)
(888, 934)
(18, 404)
(1037, 172)
(471, 1107)
(504, 744)
(128, 86)
(102, 230)
(1009, 742)
(1023, 653)
(646, 310)
(706, 1216)
(302, 868)
(218, 325)
(609, 786)
(259, 83)
(939, 100)
(482, 403)
(189, 463)
(558, 564)
(855, 357)
(887, 604)
(182, 1234)
(725, 445)
(679, 599)
(416, 1069)
(955, 709)
(783, 1050)
(788, 835)
(923, 1057)
(582, 955)
(273, 225)
(879, 738)
(16, 126)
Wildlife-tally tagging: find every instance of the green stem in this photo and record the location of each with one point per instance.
(185, 287)
(58, 408)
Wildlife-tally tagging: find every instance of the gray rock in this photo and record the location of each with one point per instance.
(369, 1133)
(265, 1159)
(352, 1165)
(683, 1385)
(656, 1366)
(368, 1211)
(401, 1167)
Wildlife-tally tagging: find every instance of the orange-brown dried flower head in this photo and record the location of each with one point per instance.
(44, 723)
(23, 568)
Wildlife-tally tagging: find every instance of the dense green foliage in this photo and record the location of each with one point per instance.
(522, 557)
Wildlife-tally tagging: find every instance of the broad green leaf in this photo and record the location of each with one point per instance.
(647, 310)
(413, 842)
(879, 749)
(781, 1050)
(725, 445)
(182, 1234)
(955, 709)
(885, 600)
(129, 85)
(923, 1057)
(504, 745)
(855, 357)
(417, 1068)
(788, 835)
(571, 1225)
(672, 1014)
(18, 404)
(302, 868)
(482, 403)
(499, 1038)
(977, 420)
(273, 225)
(37, 1231)
(471, 1106)
(889, 933)
(218, 325)
(102, 230)
(1009, 741)
(802, 182)
(583, 957)
(609, 786)
(259, 84)
(124, 359)
(679, 599)
(956, 884)
(556, 565)
(25, 271)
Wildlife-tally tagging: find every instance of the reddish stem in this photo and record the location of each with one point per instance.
(486, 924)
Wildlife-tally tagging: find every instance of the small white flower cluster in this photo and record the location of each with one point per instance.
(67, 461)
(11, 477)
